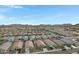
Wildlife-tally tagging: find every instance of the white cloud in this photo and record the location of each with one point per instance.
(31, 19)
(13, 17)
(2, 17)
(14, 6)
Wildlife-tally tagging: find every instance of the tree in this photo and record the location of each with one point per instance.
(1, 51)
(75, 34)
(1, 41)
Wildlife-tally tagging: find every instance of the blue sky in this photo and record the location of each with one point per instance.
(39, 14)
